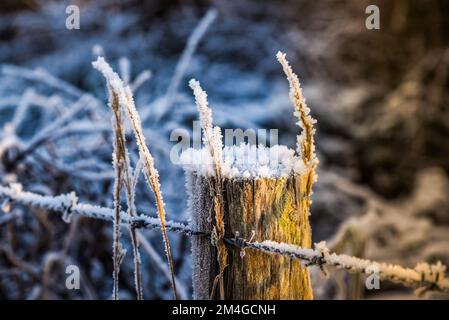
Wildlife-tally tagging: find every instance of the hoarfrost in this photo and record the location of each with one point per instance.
(245, 162)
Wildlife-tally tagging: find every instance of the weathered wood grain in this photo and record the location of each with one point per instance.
(272, 209)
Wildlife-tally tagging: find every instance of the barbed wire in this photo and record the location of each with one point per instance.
(424, 276)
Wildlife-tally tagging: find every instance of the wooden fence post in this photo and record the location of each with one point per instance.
(264, 209)
(252, 207)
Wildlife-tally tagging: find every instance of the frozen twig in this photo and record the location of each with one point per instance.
(57, 128)
(183, 63)
(22, 109)
(159, 263)
(42, 76)
(124, 66)
(140, 79)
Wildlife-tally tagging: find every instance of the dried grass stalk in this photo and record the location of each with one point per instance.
(125, 100)
(305, 141)
(123, 176)
(213, 141)
(118, 252)
(151, 173)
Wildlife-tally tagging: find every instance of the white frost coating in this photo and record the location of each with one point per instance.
(112, 78)
(245, 162)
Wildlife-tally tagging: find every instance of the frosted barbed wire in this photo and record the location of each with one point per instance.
(424, 276)
(61, 202)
